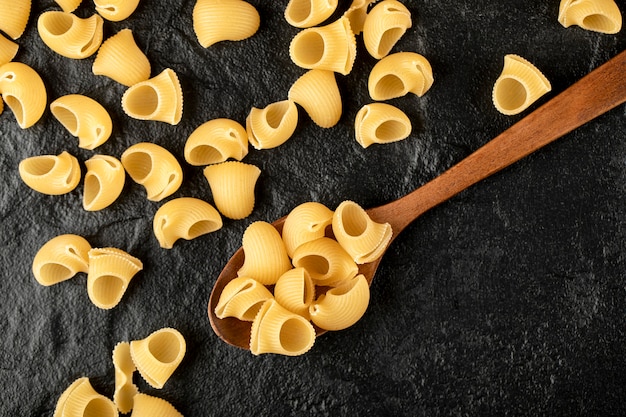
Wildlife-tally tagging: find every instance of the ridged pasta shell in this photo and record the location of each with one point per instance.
(158, 355)
(68, 6)
(24, 92)
(186, 218)
(232, 184)
(364, 239)
(215, 141)
(308, 13)
(357, 12)
(104, 182)
(110, 272)
(595, 15)
(341, 306)
(51, 174)
(60, 259)
(148, 406)
(155, 168)
(116, 10)
(60, 405)
(14, 16)
(331, 47)
(224, 20)
(381, 123)
(519, 85)
(325, 260)
(84, 118)
(317, 92)
(399, 74)
(8, 50)
(295, 291)
(384, 26)
(124, 367)
(242, 298)
(83, 400)
(159, 98)
(69, 35)
(265, 253)
(273, 125)
(306, 222)
(120, 59)
(277, 330)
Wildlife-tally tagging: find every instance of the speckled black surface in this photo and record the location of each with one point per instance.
(508, 300)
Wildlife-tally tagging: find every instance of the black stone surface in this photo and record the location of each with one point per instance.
(507, 300)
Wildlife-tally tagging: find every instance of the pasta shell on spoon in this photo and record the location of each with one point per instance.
(242, 298)
(266, 257)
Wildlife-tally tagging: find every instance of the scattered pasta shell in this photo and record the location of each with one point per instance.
(326, 261)
(61, 258)
(381, 123)
(277, 330)
(232, 185)
(308, 13)
(60, 405)
(110, 272)
(104, 182)
(116, 10)
(120, 59)
(68, 6)
(242, 298)
(124, 367)
(158, 355)
(364, 239)
(80, 399)
(215, 141)
(342, 306)
(224, 20)
(317, 92)
(295, 291)
(357, 13)
(24, 92)
(84, 118)
(331, 47)
(519, 85)
(399, 74)
(384, 26)
(8, 50)
(155, 168)
(273, 125)
(186, 218)
(595, 15)
(306, 222)
(14, 16)
(69, 35)
(51, 174)
(159, 98)
(149, 406)
(266, 257)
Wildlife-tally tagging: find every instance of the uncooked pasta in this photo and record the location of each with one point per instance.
(519, 85)
(60, 259)
(266, 257)
(242, 298)
(381, 123)
(51, 174)
(273, 125)
(120, 59)
(69, 35)
(110, 272)
(160, 99)
(24, 92)
(384, 26)
(158, 355)
(84, 118)
(224, 20)
(216, 141)
(104, 182)
(232, 184)
(317, 92)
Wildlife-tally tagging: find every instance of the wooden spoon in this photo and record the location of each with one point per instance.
(596, 93)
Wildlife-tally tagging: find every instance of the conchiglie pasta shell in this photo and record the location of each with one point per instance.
(317, 92)
(110, 272)
(158, 355)
(306, 222)
(14, 16)
(51, 174)
(186, 218)
(60, 405)
(124, 367)
(215, 141)
(60, 259)
(357, 12)
(69, 35)
(384, 26)
(148, 406)
(84, 118)
(277, 330)
(265, 253)
(159, 98)
(399, 74)
(242, 298)
(68, 6)
(595, 15)
(155, 168)
(8, 50)
(364, 239)
(232, 185)
(326, 261)
(273, 125)
(83, 400)
(341, 306)
(295, 291)
(519, 85)
(381, 123)
(104, 182)
(331, 47)
(308, 13)
(116, 10)
(224, 20)
(24, 92)
(120, 59)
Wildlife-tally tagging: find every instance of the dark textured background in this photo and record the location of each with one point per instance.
(508, 300)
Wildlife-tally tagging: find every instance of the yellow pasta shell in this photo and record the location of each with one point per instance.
(120, 59)
(155, 168)
(104, 182)
(317, 92)
(325, 260)
(68, 6)
(84, 118)
(232, 185)
(110, 272)
(51, 174)
(148, 406)
(124, 367)
(384, 26)
(186, 218)
(159, 98)
(306, 222)
(60, 405)
(341, 306)
(60, 259)
(308, 13)
(8, 50)
(83, 400)
(399, 74)
(158, 355)
(69, 35)
(295, 291)
(357, 12)
(116, 10)
(224, 20)
(273, 125)
(381, 123)
(242, 298)
(215, 141)
(24, 92)
(14, 16)
(266, 257)
(595, 15)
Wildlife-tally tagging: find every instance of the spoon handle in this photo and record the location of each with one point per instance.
(598, 92)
